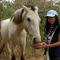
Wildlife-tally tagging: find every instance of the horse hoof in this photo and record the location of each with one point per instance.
(22, 58)
(13, 58)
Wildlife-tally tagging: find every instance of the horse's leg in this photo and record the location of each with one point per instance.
(2, 45)
(11, 52)
(22, 57)
(3, 35)
(23, 39)
(22, 54)
(13, 57)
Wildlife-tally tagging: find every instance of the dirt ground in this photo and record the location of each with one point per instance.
(35, 55)
(30, 54)
(35, 58)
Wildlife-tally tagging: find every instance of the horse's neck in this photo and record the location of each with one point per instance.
(17, 28)
(15, 31)
(18, 31)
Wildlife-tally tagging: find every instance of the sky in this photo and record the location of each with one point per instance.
(9, 0)
(53, 0)
(47, 0)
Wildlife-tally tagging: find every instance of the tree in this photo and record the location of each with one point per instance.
(1, 10)
(6, 10)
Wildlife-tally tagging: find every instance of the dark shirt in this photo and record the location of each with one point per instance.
(55, 51)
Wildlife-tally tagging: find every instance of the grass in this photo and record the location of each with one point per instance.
(30, 53)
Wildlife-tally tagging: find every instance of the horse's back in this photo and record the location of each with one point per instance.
(5, 21)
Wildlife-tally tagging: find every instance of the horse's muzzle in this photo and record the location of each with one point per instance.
(36, 41)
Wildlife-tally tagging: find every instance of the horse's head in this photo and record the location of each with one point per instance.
(30, 20)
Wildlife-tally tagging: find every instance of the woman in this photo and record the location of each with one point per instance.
(54, 45)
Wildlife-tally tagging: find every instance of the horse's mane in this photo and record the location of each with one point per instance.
(31, 6)
(17, 16)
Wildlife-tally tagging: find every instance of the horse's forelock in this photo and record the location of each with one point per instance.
(33, 8)
(17, 16)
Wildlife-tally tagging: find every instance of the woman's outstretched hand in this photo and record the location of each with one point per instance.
(41, 45)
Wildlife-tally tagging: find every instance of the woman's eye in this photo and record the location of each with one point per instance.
(28, 19)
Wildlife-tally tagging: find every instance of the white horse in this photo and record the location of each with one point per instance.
(14, 30)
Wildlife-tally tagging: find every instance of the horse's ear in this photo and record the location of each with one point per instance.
(17, 17)
(36, 9)
(25, 8)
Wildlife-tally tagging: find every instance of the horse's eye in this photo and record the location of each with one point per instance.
(28, 19)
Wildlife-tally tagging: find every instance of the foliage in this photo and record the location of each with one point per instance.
(0, 11)
(7, 8)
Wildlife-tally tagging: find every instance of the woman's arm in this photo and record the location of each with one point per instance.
(44, 45)
(55, 44)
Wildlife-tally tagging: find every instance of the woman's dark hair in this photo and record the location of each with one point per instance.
(48, 25)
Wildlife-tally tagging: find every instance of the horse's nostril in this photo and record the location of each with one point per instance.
(34, 40)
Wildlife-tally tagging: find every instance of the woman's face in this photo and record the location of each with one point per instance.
(51, 20)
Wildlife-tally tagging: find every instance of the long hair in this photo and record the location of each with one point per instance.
(48, 25)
